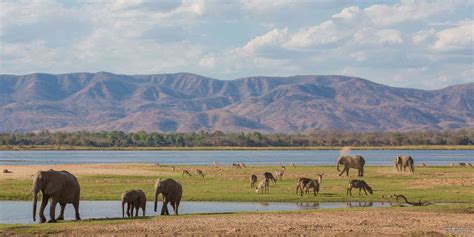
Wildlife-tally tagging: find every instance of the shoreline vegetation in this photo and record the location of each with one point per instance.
(217, 140)
(226, 148)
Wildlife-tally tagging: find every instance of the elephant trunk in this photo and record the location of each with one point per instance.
(35, 200)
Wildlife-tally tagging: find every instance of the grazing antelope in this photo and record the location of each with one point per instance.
(262, 187)
(253, 181)
(269, 176)
(279, 174)
(360, 184)
(469, 164)
(173, 168)
(462, 164)
(234, 165)
(301, 184)
(242, 165)
(186, 172)
(423, 164)
(293, 165)
(199, 172)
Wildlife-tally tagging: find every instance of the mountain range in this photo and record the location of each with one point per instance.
(185, 102)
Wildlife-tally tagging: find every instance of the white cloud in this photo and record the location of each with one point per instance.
(274, 37)
(423, 36)
(459, 37)
(229, 39)
(389, 36)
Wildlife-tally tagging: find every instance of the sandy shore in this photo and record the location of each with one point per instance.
(374, 222)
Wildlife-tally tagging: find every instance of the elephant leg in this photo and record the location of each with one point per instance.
(175, 207)
(128, 209)
(164, 208)
(61, 213)
(44, 202)
(76, 210)
(136, 211)
(52, 210)
(347, 172)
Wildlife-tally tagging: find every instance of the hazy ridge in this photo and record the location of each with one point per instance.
(186, 102)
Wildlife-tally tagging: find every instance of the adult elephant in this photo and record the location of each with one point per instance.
(355, 162)
(402, 162)
(171, 193)
(61, 187)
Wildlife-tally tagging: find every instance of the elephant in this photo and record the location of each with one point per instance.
(356, 162)
(171, 193)
(61, 187)
(401, 162)
(135, 199)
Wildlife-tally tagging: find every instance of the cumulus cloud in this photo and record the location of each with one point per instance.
(390, 43)
(459, 37)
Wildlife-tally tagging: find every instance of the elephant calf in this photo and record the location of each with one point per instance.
(361, 185)
(135, 199)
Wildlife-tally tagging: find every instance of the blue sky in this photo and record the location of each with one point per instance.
(421, 44)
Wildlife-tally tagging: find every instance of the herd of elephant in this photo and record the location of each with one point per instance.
(63, 187)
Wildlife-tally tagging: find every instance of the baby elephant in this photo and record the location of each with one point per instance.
(253, 181)
(135, 200)
(361, 185)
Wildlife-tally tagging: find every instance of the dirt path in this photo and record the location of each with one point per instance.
(376, 222)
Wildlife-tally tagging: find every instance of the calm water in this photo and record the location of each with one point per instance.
(300, 157)
(20, 212)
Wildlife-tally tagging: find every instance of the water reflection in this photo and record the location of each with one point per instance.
(19, 212)
(361, 204)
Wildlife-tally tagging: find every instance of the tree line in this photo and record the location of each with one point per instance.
(244, 139)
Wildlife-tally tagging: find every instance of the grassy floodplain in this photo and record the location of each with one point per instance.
(107, 182)
(438, 184)
(238, 148)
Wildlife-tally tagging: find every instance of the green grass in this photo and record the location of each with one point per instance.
(438, 184)
(210, 148)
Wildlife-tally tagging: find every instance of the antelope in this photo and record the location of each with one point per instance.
(234, 165)
(279, 174)
(262, 187)
(242, 165)
(186, 172)
(293, 165)
(269, 176)
(253, 181)
(199, 173)
(173, 168)
(361, 185)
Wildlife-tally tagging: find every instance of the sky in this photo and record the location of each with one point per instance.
(419, 44)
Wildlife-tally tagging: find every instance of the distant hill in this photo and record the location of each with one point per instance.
(186, 102)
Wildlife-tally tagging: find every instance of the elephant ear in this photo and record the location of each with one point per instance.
(53, 182)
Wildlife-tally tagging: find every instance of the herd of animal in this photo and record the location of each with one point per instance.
(62, 187)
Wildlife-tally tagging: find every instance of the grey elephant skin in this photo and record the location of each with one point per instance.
(61, 187)
(171, 193)
(355, 162)
(135, 199)
(402, 162)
